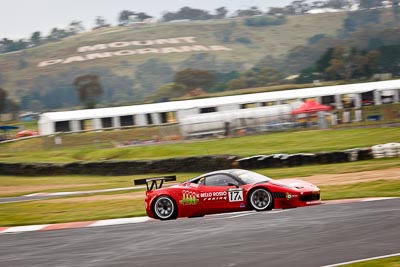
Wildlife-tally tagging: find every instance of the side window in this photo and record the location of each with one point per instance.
(220, 180)
(201, 181)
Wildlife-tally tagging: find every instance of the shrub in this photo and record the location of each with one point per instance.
(262, 21)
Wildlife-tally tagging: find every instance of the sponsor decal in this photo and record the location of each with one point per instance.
(242, 205)
(189, 198)
(212, 196)
(289, 196)
(235, 195)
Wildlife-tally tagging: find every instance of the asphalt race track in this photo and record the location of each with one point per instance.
(312, 236)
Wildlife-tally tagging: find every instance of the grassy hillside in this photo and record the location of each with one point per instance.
(273, 40)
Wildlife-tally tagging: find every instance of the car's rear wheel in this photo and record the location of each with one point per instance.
(260, 199)
(165, 208)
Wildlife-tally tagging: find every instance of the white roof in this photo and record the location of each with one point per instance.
(219, 101)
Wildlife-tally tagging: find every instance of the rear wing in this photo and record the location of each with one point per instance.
(155, 182)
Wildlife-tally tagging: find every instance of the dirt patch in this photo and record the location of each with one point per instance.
(354, 177)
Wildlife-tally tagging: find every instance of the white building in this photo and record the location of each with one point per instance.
(167, 112)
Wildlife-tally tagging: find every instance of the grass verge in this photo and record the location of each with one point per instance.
(380, 188)
(19, 185)
(388, 262)
(287, 142)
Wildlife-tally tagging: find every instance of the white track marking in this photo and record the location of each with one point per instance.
(266, 213)
(120, 221)
(28, 228)
(223, 216)
(361, 260)
(228, 213)
(377, 198)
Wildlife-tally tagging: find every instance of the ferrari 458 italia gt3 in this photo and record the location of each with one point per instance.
(225, 191)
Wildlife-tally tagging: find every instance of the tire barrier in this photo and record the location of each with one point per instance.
(197, 164)
(292, 160)
(388, 150)
(111, 168)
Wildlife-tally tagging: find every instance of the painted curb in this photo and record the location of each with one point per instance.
(72, 225)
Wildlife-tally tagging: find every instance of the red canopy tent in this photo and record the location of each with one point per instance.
(25, 133)
(310, 106)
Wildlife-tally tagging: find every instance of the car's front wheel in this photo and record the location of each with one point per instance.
(165, 208)
(260, 199)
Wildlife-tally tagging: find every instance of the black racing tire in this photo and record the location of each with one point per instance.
(260, 199)
(165, 208)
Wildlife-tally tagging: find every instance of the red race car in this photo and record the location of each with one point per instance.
(225, 191)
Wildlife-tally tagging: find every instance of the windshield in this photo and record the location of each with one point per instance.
(249, 177)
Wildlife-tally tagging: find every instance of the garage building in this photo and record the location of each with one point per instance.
(338, 96)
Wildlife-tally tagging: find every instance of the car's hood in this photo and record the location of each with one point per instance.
(296, 184)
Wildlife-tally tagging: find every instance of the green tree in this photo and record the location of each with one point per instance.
(75, 27)
(100, 22)
(35, 38)
(276, 11)
(341, 64)
(338, 4)
(7, 45)
(396, 9)
(263, 21)
(152, 74)
(388, 60)
(362, 19)
(370, 3)
(192, 78)
(124, 15)
(314, 39)
(3, 98)
(200, 61)
(89, 89)
(347, 63)
(169, 90)
(221, 12)
(187, 13)
(225, 33)
(238, 83)
(13, 108)
(57, 34)
(142, 16)
(252, 11)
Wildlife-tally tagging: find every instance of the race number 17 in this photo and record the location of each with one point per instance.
(235, 195)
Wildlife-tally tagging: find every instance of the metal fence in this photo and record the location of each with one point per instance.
(364, 117)
(372, 116)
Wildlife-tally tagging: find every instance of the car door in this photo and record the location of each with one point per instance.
(220, 193)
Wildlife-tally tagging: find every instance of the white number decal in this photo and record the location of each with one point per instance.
(235, 195)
